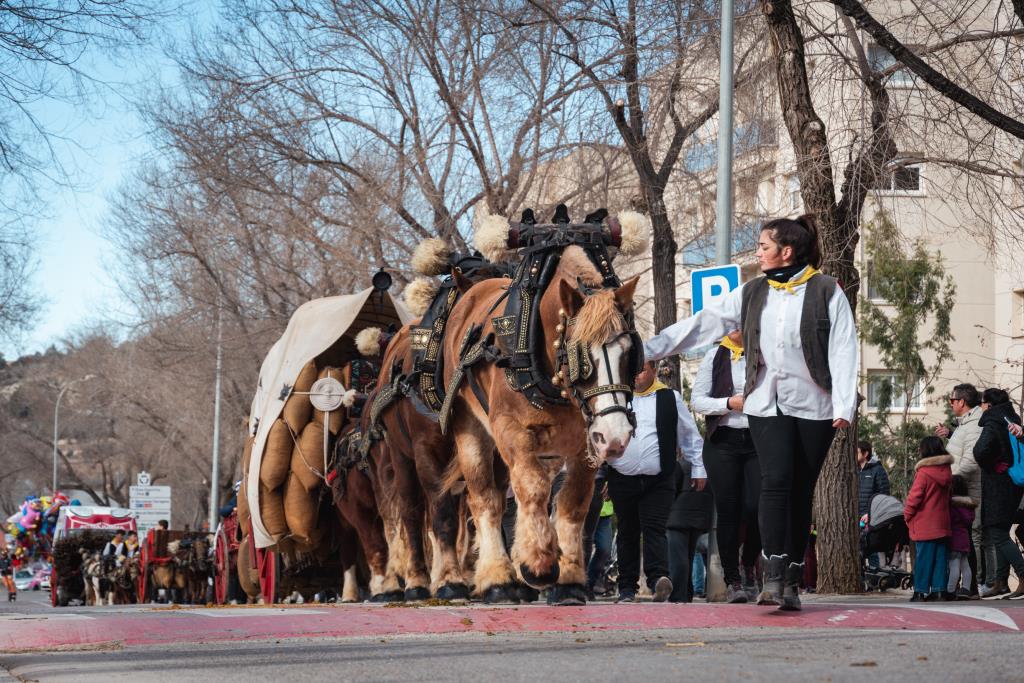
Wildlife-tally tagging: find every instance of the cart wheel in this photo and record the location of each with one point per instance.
(266, 563)
(221, 569)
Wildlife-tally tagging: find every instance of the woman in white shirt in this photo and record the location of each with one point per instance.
(800, 341)
(731, 461)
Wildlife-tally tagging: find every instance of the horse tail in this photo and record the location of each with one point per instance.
(452, 476)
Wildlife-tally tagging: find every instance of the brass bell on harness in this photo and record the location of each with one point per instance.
(559, 328)
(561, 312)
(556, 380)
(557, 343)
(565, 394)
(561, 374)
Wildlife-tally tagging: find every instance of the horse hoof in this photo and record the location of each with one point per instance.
(567, 595)
(417, 593)
(504, 593)
(527, 593)
(390, 596)
(453, 591)
(539, 580)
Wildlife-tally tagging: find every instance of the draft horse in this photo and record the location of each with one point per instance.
(571, 321)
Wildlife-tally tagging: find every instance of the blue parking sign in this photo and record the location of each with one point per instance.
(708, 284)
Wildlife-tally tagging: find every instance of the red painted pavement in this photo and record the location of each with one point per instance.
(158, 626)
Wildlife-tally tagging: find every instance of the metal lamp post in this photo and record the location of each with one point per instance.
(56, 416)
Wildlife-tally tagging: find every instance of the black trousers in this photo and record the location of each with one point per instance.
(642, 503)
(682, 544)
(735, 477)
(791, 452)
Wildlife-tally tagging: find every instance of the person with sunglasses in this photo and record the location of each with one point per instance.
(965, 402)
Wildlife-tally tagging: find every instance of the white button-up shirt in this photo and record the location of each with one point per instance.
(783, 382)
(642, 454)
(705, 404)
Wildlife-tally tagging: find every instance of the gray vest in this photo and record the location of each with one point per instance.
(815, 327)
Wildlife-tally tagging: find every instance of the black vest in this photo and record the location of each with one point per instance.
(666, 417)
(815, 328)
(721, 385)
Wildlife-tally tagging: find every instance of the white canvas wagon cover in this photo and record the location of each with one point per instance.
(313, 328)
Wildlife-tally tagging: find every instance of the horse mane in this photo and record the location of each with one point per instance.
(598, 319)
(599, 316)
(575, 264)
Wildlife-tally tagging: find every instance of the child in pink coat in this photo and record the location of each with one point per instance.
(961, 517)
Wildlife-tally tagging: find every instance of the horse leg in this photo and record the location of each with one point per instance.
(447, 580)
(409, 500)
(360, 511)
(571, 505)
(494, 579)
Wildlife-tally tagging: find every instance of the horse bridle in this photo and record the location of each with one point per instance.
(576, 357)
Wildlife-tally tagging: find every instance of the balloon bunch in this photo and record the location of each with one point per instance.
(31, 527)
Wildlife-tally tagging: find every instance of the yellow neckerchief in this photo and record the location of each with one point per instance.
(736, 350)
(791, 286)
(655, 385)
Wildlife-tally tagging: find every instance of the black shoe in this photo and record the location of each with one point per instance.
(918, 597)
(791, 587)
(626, 597)
(948, 596)
(774, 567)
(932, 597)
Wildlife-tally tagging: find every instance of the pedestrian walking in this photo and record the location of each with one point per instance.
(641, 483)
(1000, 497)
(598, 565)
(689, 519)
(927, 515)
(731, 461)
(800, 341)
(961, 519)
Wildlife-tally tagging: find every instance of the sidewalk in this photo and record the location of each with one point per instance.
(140, 625)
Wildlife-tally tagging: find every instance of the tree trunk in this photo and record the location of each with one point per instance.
(663, 268)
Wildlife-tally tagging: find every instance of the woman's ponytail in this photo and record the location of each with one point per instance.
(801, 234)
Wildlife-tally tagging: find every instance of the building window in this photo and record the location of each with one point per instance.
(899, 178)
(1018, 313)
(881, 382)
(880, 60)
(872, 289)
(793, 188)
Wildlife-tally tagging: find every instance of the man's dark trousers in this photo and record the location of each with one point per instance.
(642, 503)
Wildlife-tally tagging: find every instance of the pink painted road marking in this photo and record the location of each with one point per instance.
(158, 626)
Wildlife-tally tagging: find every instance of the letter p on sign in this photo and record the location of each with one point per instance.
(708, 284)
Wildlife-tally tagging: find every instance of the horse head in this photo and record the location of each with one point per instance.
(599, 354)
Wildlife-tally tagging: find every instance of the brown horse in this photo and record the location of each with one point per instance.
(420, 455)
(356, 500)
(594, 423)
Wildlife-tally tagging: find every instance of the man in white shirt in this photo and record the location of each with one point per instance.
(641, 483)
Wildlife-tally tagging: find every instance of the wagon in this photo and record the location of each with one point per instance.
(81, 525)
(323, 332)
(154, 553)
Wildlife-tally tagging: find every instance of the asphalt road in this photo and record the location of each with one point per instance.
(736, 653)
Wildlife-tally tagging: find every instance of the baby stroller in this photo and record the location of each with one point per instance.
(885, 532)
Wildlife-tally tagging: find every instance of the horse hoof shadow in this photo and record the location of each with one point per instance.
(567, 595)
(501, 593)
(390, 596)
(527, 593)
(453, 591)
(417, 593)
(539, 580)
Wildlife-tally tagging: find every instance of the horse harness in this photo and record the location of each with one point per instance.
(519, 332)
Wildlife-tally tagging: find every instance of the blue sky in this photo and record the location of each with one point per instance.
(105, 141)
